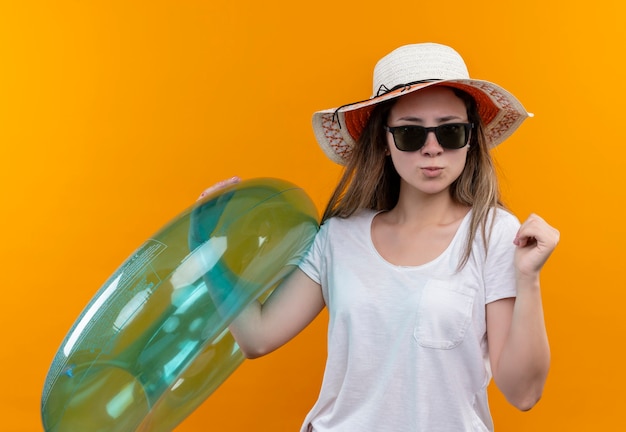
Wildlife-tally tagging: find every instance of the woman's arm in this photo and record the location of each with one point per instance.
(518, 343)
(262, 328)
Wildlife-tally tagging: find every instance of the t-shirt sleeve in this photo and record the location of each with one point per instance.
(313, 260)
(499, 270)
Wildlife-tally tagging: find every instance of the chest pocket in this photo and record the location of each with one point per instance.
(444, 314)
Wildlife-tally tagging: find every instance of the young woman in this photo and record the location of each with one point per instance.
(432, 286)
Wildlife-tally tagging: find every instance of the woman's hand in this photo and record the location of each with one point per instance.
(203, 218)
(535, 241)
(219, 185)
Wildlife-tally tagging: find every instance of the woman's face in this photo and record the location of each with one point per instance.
(431, 169)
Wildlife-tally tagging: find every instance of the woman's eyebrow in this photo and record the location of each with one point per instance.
(420, 120)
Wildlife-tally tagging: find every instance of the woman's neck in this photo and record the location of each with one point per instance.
(415, 207)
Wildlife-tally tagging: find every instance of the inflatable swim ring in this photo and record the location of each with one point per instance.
(153, 343)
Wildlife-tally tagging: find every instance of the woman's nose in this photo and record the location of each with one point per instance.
(431, 146)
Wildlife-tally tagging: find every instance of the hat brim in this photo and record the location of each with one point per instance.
(338, 129)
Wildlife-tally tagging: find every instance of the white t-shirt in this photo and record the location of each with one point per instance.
(407, 346)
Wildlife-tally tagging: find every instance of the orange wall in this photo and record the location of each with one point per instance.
(114, 115)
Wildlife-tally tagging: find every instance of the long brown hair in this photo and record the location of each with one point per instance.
(370, 181)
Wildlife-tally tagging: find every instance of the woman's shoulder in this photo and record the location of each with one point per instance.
(359, 217)
(342, 228)
(502, 225)
(503, 219)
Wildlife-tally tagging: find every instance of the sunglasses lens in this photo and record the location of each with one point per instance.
(452, 136)
(409, 138)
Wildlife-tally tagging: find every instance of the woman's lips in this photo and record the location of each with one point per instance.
(431, 171)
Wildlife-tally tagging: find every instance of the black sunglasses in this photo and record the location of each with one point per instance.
(449, 135)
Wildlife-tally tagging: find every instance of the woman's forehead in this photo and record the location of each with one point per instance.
(430, 102)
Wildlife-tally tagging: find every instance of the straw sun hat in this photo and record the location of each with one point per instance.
(405, 70)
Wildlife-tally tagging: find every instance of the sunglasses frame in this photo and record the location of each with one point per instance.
(435, 129)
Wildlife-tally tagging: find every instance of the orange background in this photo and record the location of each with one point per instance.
(115, 115)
